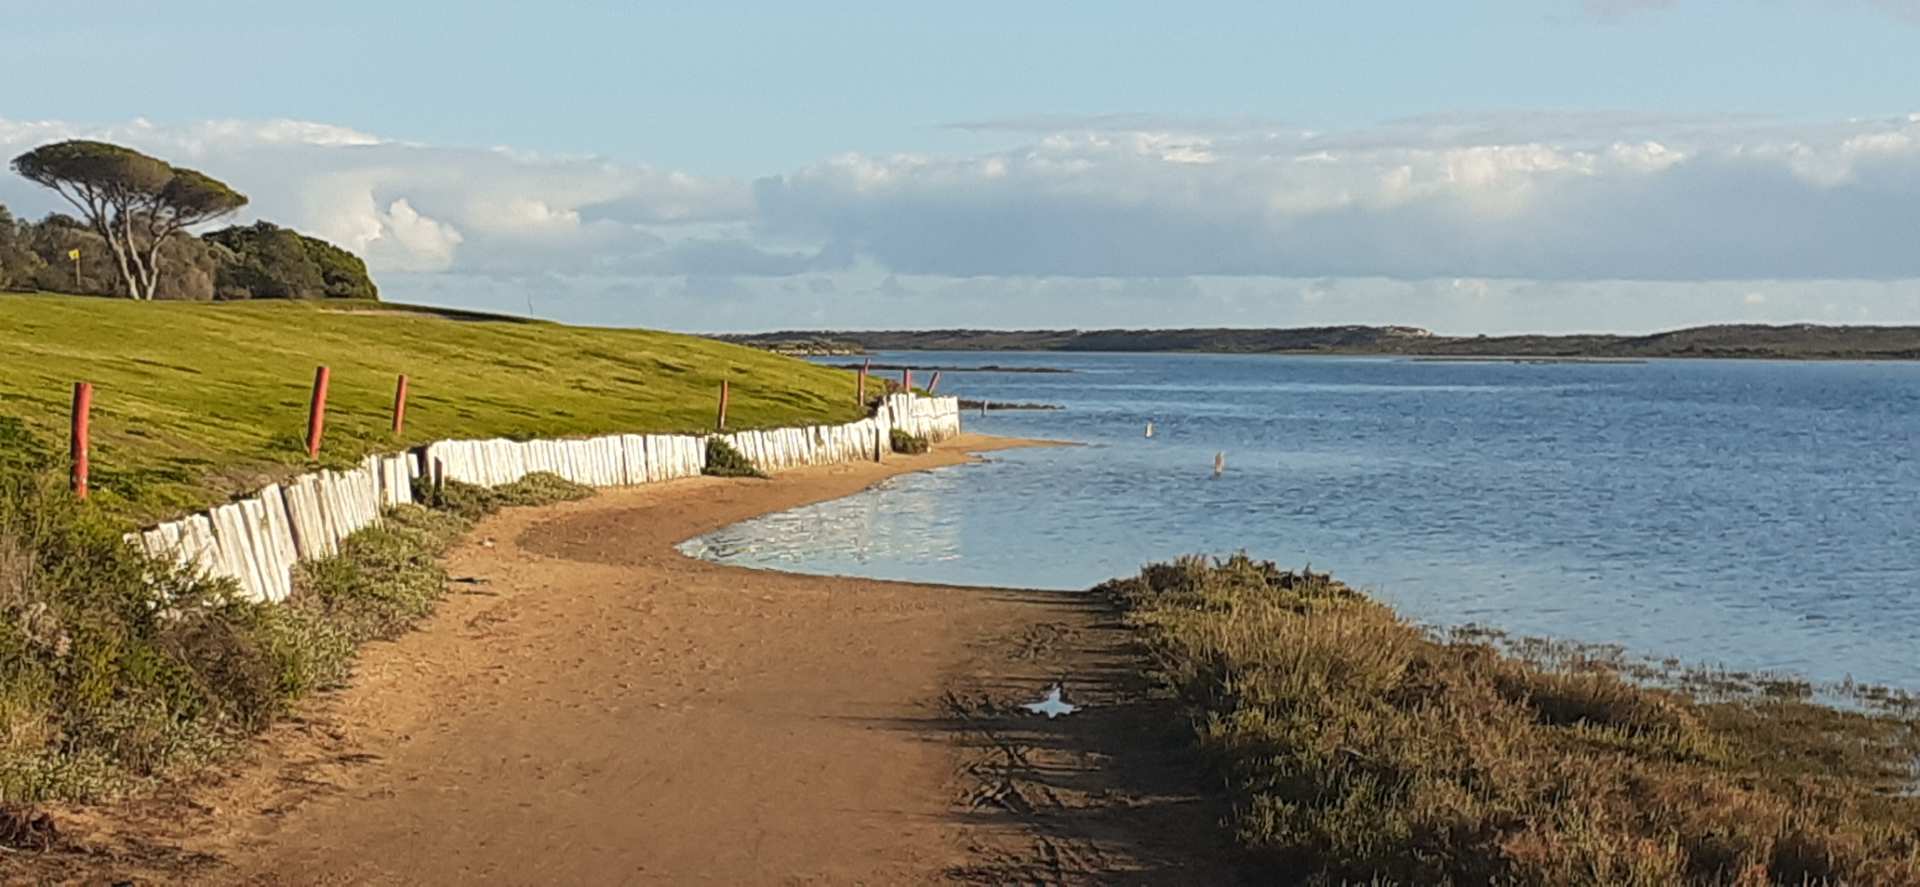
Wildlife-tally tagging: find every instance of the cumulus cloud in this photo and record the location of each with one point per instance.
(1700, 201)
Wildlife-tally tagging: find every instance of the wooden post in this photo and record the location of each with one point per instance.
(400, 406)
(317, 411)
(439, 479)
(906, 381)
(933, 382)
(82, 422)
(721, 423)
(860, 387)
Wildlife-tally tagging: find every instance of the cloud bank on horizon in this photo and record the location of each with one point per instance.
(1466, 223)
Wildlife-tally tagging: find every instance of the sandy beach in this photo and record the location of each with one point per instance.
(590, 706)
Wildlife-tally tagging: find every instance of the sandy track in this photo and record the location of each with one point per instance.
(591, 707)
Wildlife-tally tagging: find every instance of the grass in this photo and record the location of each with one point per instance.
(910, 444)
(1358, 748)
(117, 669)
(725, 461)
(197, 402)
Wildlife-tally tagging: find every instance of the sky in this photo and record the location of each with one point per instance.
(1553, 165)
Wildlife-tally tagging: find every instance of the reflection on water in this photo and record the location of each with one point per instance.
(1752, 514)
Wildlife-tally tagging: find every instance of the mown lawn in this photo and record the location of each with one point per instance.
(196, 402)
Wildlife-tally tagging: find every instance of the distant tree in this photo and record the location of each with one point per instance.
(270, 262)
(135, 203)
(18, 262)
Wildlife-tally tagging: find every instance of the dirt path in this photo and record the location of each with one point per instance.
(591, 707)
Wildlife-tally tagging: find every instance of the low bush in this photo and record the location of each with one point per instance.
(1358, 748)
(725, 461)
(117, 667)
(909, 444)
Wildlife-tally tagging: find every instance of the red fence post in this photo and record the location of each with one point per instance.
(400, 405)
(82, 423)
(933, 382)
(317, 412)
(721, 423)
(906, 380)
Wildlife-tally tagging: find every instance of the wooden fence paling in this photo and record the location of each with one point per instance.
(721, 423)
(317, 411)
(82, 431)
(400, 405)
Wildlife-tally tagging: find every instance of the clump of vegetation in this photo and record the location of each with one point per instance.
(266, 261)
(910, 444)
(1359, 748)
(117, 667)
(725, 461)
(473, 502)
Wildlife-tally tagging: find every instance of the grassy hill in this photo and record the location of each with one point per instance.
(195, 402)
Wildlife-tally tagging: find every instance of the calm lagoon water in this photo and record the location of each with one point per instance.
(1755, 515)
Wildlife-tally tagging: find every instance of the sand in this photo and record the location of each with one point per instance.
(591, 707)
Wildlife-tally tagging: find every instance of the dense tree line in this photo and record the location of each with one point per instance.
(258, 261)
(131, 235)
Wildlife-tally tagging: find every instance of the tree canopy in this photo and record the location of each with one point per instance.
(269, 261)
(133, 202)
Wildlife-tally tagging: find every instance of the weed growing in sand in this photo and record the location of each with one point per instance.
(910, 444)
(1359, 748)
(725, 461)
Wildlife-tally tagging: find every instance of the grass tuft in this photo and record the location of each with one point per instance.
(725, 461)
(1359, 748)
(910, 444)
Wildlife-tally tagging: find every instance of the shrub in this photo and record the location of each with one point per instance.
(266, 261)
(725, 461)
(1359, 749)
(907, 443)
(473, 502)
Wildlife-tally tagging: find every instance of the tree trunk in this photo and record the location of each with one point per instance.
(119, 249)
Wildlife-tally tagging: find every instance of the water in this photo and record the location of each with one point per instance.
(1755, 515)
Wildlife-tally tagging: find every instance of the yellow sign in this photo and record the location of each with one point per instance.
(73, 254)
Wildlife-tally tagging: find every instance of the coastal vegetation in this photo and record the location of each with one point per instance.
(725, 461)
(1358, 748)
(1789, 342)
(196, 403)
(117, 668)
(909, 444)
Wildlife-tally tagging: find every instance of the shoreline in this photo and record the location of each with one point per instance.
(589, 704)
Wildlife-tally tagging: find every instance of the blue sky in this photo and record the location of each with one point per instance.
(1496, 165)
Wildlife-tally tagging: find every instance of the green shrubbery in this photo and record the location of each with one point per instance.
(259, 261)
(266, 261)
(1359, 749)
(725, 461)
(910, 444)
(115, 666)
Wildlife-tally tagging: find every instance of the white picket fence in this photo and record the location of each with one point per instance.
(257, 540)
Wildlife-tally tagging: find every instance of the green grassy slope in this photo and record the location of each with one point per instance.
(195, 402)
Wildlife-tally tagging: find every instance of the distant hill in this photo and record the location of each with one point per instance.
(1791, 342)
